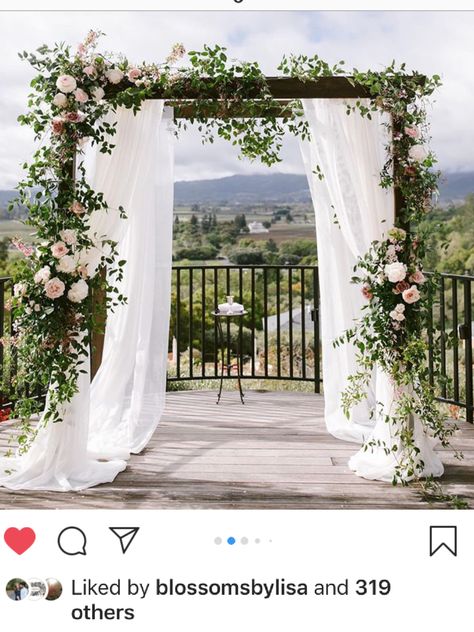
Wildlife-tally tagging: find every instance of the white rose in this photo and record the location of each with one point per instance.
(66, 264)
(78, 291)
(68, 235)
(66, 83)
(19, 289)
(98, 94)
(395, 271)
(114, 75)
(42, 275)
(418, 153)
(400, 308)
(60, 100)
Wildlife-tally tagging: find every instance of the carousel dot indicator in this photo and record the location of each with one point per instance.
(244, 541)
(231, 541)
(218, 541)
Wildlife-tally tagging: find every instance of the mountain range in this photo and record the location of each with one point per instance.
(275, 188)
(281, 188)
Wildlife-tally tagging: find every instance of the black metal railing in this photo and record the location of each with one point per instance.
(280, 336)
(451, 336)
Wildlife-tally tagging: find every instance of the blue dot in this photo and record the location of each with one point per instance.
(230, 540)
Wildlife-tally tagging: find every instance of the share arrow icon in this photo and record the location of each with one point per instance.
(126, 535)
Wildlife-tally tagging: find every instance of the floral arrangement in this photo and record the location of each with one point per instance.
(52, 300)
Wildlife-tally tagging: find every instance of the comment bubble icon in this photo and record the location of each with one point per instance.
(72, 541)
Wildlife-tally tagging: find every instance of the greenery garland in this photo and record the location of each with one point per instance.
(52, 307)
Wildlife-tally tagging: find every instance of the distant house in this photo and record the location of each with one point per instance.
(296, 319)
(256, 228)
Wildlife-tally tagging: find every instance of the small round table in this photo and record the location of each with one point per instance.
(228, 366)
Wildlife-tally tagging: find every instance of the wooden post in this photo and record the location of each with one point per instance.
(399, 201)
(100, 318)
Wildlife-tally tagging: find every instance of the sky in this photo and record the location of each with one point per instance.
(429, 42)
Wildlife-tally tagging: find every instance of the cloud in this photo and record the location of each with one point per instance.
(431, 42)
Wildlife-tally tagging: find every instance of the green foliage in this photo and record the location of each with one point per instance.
(449, 234)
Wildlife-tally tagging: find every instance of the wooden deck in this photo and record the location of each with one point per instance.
(272, 453)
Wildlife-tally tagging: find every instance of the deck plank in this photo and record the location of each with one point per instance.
(272, 453)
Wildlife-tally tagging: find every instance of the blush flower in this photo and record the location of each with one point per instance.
(81, 96)
(77, 208)
(59, 250)
(78, 291)
(412, 295)
(57, 125)
(395, 272)
(66, 83)
(412, 131)
(367, 291)
(400, 287)
(114, 75)
(134, 74)
(417, 277)
(54, 288)
(69, 236)
(417, 153)
(66, 264)
(19, 289)
(98, 94)
(90, 71)
(60, 100)
(43, 275)
(74, 117)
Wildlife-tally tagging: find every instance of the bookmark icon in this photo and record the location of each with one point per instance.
(126, 535)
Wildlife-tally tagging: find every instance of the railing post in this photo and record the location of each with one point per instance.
(468, 350)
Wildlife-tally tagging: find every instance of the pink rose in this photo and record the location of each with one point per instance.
(366, 292)
(77, 208)
(417, 277)
(412, 131)
(114, 75)
(90, 71)
(59, 249)
(66, 83)
(57, 125)
(134, 73)
(54, 288)
(411, 295)
(81, 96)
(74, 117)
(401, 287)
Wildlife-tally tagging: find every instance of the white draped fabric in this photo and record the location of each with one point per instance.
(351, 210)
(117, 414)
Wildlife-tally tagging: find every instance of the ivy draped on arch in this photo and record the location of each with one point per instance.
(72, 93)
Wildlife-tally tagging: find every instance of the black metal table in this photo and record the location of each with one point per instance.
(228, 365)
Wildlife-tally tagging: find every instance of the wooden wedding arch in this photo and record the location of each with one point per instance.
(284, 91)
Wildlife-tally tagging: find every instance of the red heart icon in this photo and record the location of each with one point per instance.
(19, 540)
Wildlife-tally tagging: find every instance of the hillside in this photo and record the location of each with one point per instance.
(275, 188)
(283, 188)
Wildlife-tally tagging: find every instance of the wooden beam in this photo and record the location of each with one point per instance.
(187, 110)
(279, 88)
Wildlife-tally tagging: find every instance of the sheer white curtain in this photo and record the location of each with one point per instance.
(351, 211)
(116, 416)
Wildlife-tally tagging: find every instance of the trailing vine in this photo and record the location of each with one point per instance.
(74, 90)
